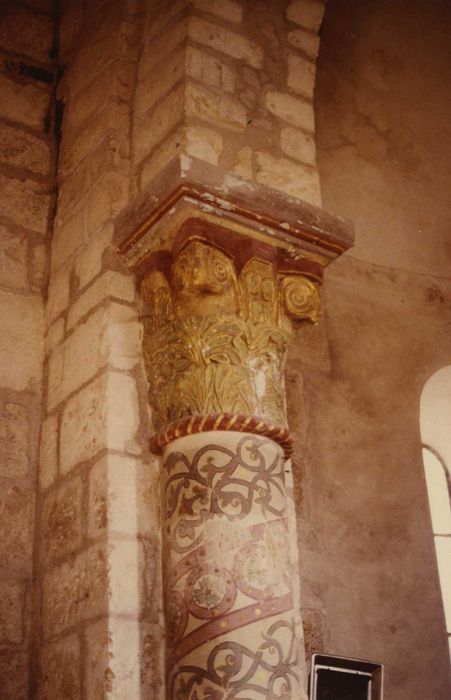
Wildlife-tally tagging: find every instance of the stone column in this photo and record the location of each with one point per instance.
(220, 290)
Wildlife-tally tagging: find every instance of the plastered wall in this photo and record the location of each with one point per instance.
(370, 586)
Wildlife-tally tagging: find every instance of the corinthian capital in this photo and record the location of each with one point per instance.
(223, 276)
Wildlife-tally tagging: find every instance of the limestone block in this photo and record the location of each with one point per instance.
(55, 334)
(160, 16)
(305, 41)
(291, 109)
(14, 667)
(25, 32)
(125, 657)
(13, 440)
(94, 96)
(225, 9)
(13, 259)
(171, 146)
(25, 104)
(67, 237)
(58, 294)
(159, 48)
(151, 585)
(103, 20)
(111, 335)
(102, 415)
(243, 163)
(202, 66)
(24, 150)
(297, 144)
(26, 203)
(21, 341)
(214, 107)
(38, 266)
(109, 285)
(122, 497)
(75, 591)
(98, 673)
(16, 509)
(301, 75)
(150, 90)
(106, 200)
(196, 140)
(48, 453)
(89, 261)
(225, 41)
(150, 131)
(70, 23)
(152, 659)
(61, 523)
(92, 58)
(125, 561)
(82, 181)
(209, 69)
(307, 13)
(289, 177)
(12, 609)
(228, 78)
(122, 659)
(203, 143)
(59, 675)
(110, 125)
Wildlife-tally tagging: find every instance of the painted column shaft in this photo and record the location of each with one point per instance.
(228, 578)
(224, 272)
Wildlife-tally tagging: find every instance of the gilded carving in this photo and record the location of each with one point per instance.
(216, 342)
(203, 273)
(259, 291)
(300, 298)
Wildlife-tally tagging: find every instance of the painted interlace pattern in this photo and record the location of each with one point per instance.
(228, 579)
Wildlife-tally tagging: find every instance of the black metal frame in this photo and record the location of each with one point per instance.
(354, 668)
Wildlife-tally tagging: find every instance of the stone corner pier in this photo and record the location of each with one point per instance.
(225, 267)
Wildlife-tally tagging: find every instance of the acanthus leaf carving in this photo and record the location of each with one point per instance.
(216, 342)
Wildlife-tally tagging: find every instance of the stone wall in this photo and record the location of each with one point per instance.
(26, 204)
(230, 83)
(97, 548)
(370, 585)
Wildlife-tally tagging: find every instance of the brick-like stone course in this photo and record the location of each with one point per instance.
(25, 32)
(60, 669)
(24, 150)
(23, 103)
(21, 337)
(215, 65)
(14, 453)
(75, 591)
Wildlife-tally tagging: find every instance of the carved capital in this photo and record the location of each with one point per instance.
(215, 338)
(220, 290)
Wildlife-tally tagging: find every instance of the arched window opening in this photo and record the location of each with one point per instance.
(435, 424)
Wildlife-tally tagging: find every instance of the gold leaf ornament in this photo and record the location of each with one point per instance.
(300, 298)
